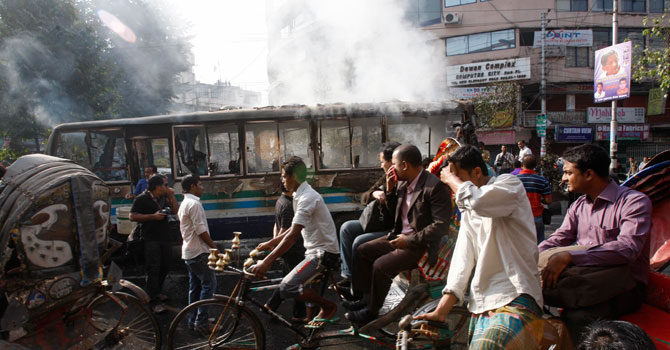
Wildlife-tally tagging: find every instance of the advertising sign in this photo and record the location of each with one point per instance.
(504, 137)
(574, 134)
(468, 93)
(611, 74)
(564, 37)
(623, 115)
(656, 105)
(488, 72)
(624, 132)
(567, 117)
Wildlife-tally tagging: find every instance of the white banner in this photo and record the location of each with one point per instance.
(468, 93)
(488, 72)
(623, 115)
(564, 37)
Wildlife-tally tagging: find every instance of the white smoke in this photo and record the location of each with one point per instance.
(351, 51)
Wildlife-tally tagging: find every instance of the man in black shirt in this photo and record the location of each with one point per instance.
(146, 211)
(283, 221)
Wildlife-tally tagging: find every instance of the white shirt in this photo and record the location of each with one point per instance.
(525, 151)
(497, 239)
(319, 232)
(192, 223)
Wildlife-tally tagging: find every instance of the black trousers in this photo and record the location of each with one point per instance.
(377, 263)
(627, 302)
(157, 260)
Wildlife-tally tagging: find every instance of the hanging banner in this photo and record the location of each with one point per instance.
(623, 115)
(656, 104)
(468, 93)
(488, 72)
(573, 134)
(502, 119)
(504, 137)
(611, 74)
(564, 37)
(624, 132)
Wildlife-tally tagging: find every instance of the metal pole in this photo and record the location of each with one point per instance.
(543, 86)
(613, 124)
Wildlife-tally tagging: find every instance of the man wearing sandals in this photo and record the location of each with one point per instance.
(312, 220)
(496, 246)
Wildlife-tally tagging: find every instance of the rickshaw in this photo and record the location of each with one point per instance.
(54, 223)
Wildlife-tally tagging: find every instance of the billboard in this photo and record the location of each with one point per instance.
(564, 37)
(488, 72)
(505, 137)
(573, 134)
(624, 132)
(596, 115)
(611, 72)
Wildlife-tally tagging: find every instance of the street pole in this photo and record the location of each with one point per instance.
(613, 124)
(543, 85)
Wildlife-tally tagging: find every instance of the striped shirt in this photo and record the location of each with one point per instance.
(536, 187)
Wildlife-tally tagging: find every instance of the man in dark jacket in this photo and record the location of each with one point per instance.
(422, 208)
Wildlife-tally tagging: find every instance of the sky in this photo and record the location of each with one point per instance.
(229, 39)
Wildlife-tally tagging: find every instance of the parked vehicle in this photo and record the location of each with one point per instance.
(237, 153)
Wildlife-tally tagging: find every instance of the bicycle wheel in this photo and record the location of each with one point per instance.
(227, 327)
(138, 328)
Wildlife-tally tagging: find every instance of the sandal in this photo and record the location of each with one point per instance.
(319, 322)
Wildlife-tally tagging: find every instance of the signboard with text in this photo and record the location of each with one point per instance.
(624, 132)
(541, 125)
(656, 104)
(623, 115)
(611, 72)
(574, 134)
(468, 93)
(567, 117)
(488, 72)
(564, 37)
(504, 137)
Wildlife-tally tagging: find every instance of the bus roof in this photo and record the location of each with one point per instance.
(282, 112)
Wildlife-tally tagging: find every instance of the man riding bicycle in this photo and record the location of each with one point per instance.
(313, 221)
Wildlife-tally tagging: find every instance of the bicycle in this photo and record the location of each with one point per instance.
(235, 326)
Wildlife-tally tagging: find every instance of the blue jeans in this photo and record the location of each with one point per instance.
(201, 286)
(351, 236)
(539, 228)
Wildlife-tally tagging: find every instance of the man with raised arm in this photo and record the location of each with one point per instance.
(608, 226)
(313, 221)
(422, 208)
(496, 247)
(195, 249)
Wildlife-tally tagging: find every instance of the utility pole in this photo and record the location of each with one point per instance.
(543, 85)
(613, 124)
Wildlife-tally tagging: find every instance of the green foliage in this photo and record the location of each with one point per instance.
(59, 63)
(654, 63)
(502, 96)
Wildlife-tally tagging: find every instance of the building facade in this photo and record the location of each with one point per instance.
(484, 40)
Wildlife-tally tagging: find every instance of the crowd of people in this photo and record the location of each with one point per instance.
(501, 264)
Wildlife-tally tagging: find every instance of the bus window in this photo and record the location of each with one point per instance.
(108, 152)
(224, 144)
(262, 147)
(366, 141)
(154, 152)
(410, 130)
(72, 146)
(191, 150)
(334, 144)
(294, 141)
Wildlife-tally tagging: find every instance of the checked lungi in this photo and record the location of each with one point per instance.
(513, 326)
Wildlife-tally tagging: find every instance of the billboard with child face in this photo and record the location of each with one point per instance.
(611, 73)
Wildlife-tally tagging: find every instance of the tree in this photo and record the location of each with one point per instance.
(654, 63)
(60, 63)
